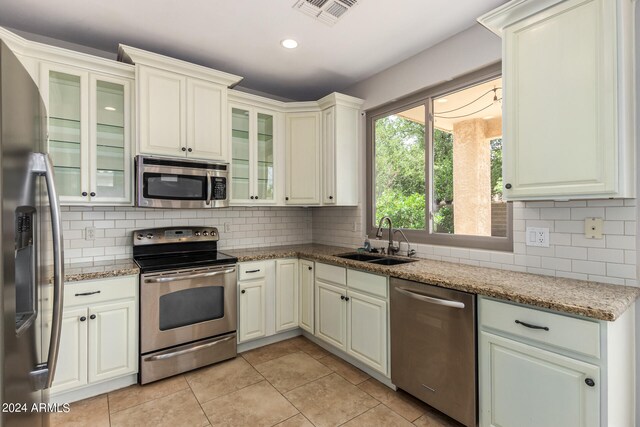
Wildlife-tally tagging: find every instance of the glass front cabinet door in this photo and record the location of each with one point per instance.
(89, 134)
(253, 153)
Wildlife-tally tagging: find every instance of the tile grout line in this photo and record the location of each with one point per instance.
(144, 403)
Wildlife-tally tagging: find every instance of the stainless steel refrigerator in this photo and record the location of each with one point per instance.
(31, 263)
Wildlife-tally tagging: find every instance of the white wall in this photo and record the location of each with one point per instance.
(467, 51)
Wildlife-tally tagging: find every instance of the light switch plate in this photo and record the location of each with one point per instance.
(593, 228)
(536, 236)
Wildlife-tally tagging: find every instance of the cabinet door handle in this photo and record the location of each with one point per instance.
(507, 186)
(84, 294)
(243, 291)
(310, 268)
(184, 148)
(84, 194)
(529, 325)
(93, 194)
(342, 297)
(256, 197)
(251, 197)
(286, 198)
(330, 197)
(83, 318)
(93, 316)
(252, 271)
(590, 382)
(190, 150)
(346, 299)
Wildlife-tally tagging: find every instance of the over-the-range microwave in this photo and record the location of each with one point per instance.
(180, 184)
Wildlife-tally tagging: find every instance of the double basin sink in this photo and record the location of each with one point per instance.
(375, 259)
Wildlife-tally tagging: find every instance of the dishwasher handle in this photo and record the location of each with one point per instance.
(431, 300)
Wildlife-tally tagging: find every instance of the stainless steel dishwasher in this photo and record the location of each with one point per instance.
(433, 347)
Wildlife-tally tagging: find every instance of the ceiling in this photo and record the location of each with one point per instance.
(243, 36)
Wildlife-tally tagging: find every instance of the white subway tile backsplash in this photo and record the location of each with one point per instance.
(611, 259)
(582, 213)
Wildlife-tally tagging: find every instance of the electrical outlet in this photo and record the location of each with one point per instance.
(593, 228)
(227, 227)
(537, 237)
(90, 233)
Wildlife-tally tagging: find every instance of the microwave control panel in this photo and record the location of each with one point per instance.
(219, 185)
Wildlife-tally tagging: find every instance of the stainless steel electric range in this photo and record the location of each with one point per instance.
(188, 300)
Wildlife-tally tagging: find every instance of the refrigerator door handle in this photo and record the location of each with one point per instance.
(41, 165)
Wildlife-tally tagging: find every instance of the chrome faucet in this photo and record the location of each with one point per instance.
(392, 249)
(410, 252)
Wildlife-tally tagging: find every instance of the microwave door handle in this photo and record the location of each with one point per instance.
(209, 189)
(42, 166)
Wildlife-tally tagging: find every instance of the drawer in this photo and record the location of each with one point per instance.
(251, 270)
(331, 273)
(101, 290)
(366, 282)
(577, 335)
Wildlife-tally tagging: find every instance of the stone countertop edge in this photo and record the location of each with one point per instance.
(600, 301)
(77, 272)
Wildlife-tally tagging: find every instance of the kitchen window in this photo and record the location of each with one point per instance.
(434, 165)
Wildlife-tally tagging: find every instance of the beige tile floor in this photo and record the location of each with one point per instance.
(293, 383)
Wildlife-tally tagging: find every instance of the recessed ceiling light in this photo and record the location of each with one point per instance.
(289, 43)
(442, 100)
(110, 108)
(488, 117)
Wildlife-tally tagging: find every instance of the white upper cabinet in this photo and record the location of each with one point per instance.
(90, 131)
(340, 153)
(568, 98)
(303, 158)
(182, 107)
(254, 154)
(162, 112)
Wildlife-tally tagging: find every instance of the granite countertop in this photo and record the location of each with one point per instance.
(75, 272)
(591, 299)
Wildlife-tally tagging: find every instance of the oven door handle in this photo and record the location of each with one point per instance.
(170, 354)
(188, 277)
(432, 300)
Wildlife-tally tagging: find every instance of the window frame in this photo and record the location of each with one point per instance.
(425, 97)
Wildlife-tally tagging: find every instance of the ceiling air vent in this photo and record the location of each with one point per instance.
(327, 11)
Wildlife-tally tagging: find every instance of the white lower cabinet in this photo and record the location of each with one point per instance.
(268, 298)
(112, 340)
(530, 378)
(306, 296)
(252, 321)
(71, 370)
(351, 320)
(99, 336)
(530, 387)
(367, 329)
(331, 314)
(286, 294)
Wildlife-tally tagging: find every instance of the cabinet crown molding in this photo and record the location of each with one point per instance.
(512, 12)
(336, 98)
(45, 52)
(132, 55)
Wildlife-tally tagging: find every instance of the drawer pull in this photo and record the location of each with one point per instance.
(84, 294)
(253, 271)
(529, 325)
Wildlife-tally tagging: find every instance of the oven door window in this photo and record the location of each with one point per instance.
(191, 306)
(174, 186)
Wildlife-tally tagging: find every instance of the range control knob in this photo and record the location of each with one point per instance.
(205, 233)
(197, 233)
(149, 236)
(140, 236)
